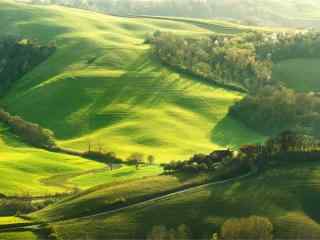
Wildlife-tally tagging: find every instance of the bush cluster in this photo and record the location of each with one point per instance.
(18, 56)
(30, 133)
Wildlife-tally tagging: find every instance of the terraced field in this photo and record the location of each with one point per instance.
(286, 195)
(102, 86)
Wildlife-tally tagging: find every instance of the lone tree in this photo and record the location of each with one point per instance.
(112, 159)
(136, 159)
(151, 159)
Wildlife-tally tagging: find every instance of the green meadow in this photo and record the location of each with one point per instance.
(27, 171)
(24, 169)
(286, 195)
(102, 86)
(28, 235)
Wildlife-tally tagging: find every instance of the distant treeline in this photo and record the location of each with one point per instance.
(19, 56)
(244, 60)
(288, 146)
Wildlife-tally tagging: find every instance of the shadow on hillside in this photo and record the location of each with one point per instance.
(231, 133)
(10, 139)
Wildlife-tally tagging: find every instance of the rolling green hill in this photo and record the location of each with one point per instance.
(24, 169)
(286, 195)
(102, 86)
(263, 12)
(48, 173)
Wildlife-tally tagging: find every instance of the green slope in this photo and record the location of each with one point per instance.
(28, 171)
(24, 169)
(264, 12)
(299, 74)
(287, 195)
(102, 86)
(114, 194)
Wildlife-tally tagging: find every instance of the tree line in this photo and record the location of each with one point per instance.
(252, 227)
(19, 56)
(288, 145)
(111, 159)
(30, 133)
(243, 61)
(37, 136)
(279, 108)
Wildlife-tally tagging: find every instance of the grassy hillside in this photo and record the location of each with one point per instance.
(102, 86)
(108, 196)
(28, 235)
(51, 173)
(299, 74)
(263, 12)
(287, 195)
(19, 163)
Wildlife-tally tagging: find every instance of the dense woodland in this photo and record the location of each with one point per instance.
(245, 62)
(280, 108)
(19, 56)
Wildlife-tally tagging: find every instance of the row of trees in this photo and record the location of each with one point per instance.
(229, 163)
(19, 56)
(30, 133)
(280, 108)
(243, 61)
(253, 227)
(200, 162)
(110, 158)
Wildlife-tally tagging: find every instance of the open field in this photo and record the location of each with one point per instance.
(50, 173)
(102, 86)
(11, 220)
(19, 235)
(23, 168)
(285, 195)
(109, 196)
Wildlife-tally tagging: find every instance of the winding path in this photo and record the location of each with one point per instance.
(38, 225)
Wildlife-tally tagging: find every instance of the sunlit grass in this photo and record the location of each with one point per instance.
(102, 85)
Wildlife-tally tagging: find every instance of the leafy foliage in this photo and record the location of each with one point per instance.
(30, 133)
(227, 163)
(280, 109)
(258, 228)
(163, 233)
(243, 62)
(19, 56)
